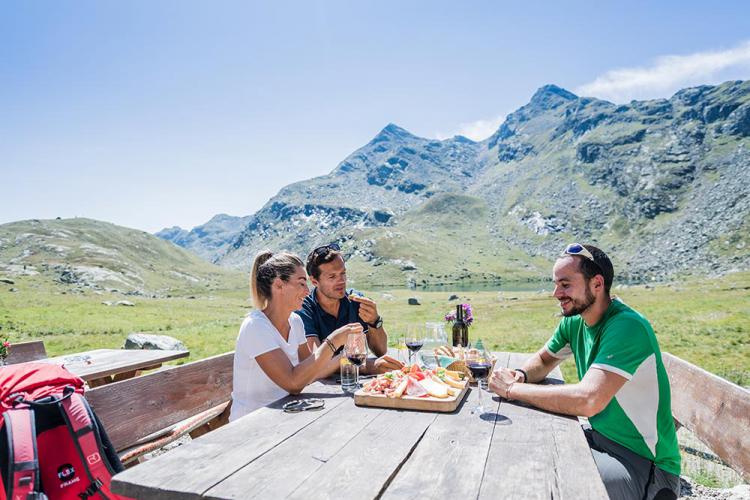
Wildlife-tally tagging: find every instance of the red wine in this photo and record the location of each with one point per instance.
(414, 346)
(356, 359)
(479, 370)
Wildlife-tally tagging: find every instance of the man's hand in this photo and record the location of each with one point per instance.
(386, 364)
(501, 379)
(368, 310)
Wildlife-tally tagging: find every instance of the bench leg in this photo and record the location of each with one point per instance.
(215, 423)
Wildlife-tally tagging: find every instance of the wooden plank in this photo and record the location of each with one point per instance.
(189, 471)
(137, 407)
(310, 449)
(538, 454)
(101, 363)
(520, 460)
(715, 410)
(366, 465)
(575, 470)
(23, 352)
(445, 405)
(450, 459)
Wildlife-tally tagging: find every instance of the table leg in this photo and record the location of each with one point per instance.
(124, 375)
(97, 382)
(140, 371)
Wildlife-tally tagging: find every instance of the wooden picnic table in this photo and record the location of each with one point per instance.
(102, 366)
(345, 451)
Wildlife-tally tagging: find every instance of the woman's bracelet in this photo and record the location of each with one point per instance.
(330, 344)
(525, 375)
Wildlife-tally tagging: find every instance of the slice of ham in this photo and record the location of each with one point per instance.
(414, 388)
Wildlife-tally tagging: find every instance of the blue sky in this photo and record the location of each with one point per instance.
(158, 113)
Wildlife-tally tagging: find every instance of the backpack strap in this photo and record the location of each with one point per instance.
(23, 462)
(84, 432)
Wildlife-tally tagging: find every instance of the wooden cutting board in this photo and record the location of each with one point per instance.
(444, 405)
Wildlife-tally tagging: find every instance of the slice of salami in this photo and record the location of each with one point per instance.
(414, 388)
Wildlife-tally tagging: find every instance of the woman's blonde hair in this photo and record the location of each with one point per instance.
(268, 266)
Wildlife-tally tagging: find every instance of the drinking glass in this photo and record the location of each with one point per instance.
(480, 364)
(355, 351)
(402, 356)
(414, 341)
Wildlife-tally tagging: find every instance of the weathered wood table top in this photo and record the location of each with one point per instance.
(97, 366)
(345, 451)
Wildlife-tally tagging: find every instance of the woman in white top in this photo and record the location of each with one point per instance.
(272, 358)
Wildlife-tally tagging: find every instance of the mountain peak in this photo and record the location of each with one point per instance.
(551, 96)
(392, 132)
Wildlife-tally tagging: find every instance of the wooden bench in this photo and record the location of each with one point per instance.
(715, 410)
(22, 352)
(145, 413)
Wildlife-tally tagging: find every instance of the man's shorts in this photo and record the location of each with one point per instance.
(627, 475)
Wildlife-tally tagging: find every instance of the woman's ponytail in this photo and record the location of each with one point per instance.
(259, 297)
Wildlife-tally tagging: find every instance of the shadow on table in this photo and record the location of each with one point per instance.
(496, 418)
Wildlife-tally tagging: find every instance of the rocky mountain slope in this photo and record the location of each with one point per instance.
(207, 240)
(89, 255)
(661, 185)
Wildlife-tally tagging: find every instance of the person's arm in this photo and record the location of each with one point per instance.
(294, 379)
(330, 368)
(538, 366)
(377, 338)
(585, 399)
(382, 364)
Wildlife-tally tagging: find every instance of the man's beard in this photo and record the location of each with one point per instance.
(580, 307)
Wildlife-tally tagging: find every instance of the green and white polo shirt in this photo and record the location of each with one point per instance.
(639, 417)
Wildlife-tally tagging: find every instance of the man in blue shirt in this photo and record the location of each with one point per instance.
(329, 307)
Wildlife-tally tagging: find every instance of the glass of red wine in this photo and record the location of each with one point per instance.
(355, 351)
(479, 363)
(414, 341)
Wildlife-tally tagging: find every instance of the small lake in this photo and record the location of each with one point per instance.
(515, 286)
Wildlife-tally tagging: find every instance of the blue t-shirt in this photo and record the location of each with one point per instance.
(320, 324)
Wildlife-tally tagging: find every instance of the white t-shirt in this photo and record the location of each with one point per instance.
(251, 387)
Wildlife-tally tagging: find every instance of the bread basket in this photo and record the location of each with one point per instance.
(459, 365)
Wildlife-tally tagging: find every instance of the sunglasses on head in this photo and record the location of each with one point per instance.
(578, 249)
(324, 250)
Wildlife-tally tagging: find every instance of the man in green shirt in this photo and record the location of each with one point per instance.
(624, 390)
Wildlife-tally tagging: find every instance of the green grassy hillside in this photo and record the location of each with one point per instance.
(98, 256)
(450, 239)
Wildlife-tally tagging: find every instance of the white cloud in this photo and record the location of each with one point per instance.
(667, 74)
(476, 131)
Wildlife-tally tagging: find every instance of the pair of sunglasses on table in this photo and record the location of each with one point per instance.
(311, 404)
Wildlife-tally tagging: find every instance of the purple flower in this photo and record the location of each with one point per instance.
(468, 314)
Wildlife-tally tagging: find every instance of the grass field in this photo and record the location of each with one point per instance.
(705, 322)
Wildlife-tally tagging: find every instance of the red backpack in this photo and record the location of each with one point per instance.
(52, 445)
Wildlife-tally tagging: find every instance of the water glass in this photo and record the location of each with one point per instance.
(348, 376)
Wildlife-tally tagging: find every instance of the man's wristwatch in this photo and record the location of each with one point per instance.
(378, 323)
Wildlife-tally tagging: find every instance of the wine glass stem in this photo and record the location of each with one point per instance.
(479, 392)
(356, 376)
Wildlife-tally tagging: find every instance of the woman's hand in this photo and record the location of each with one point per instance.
(338, 336)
